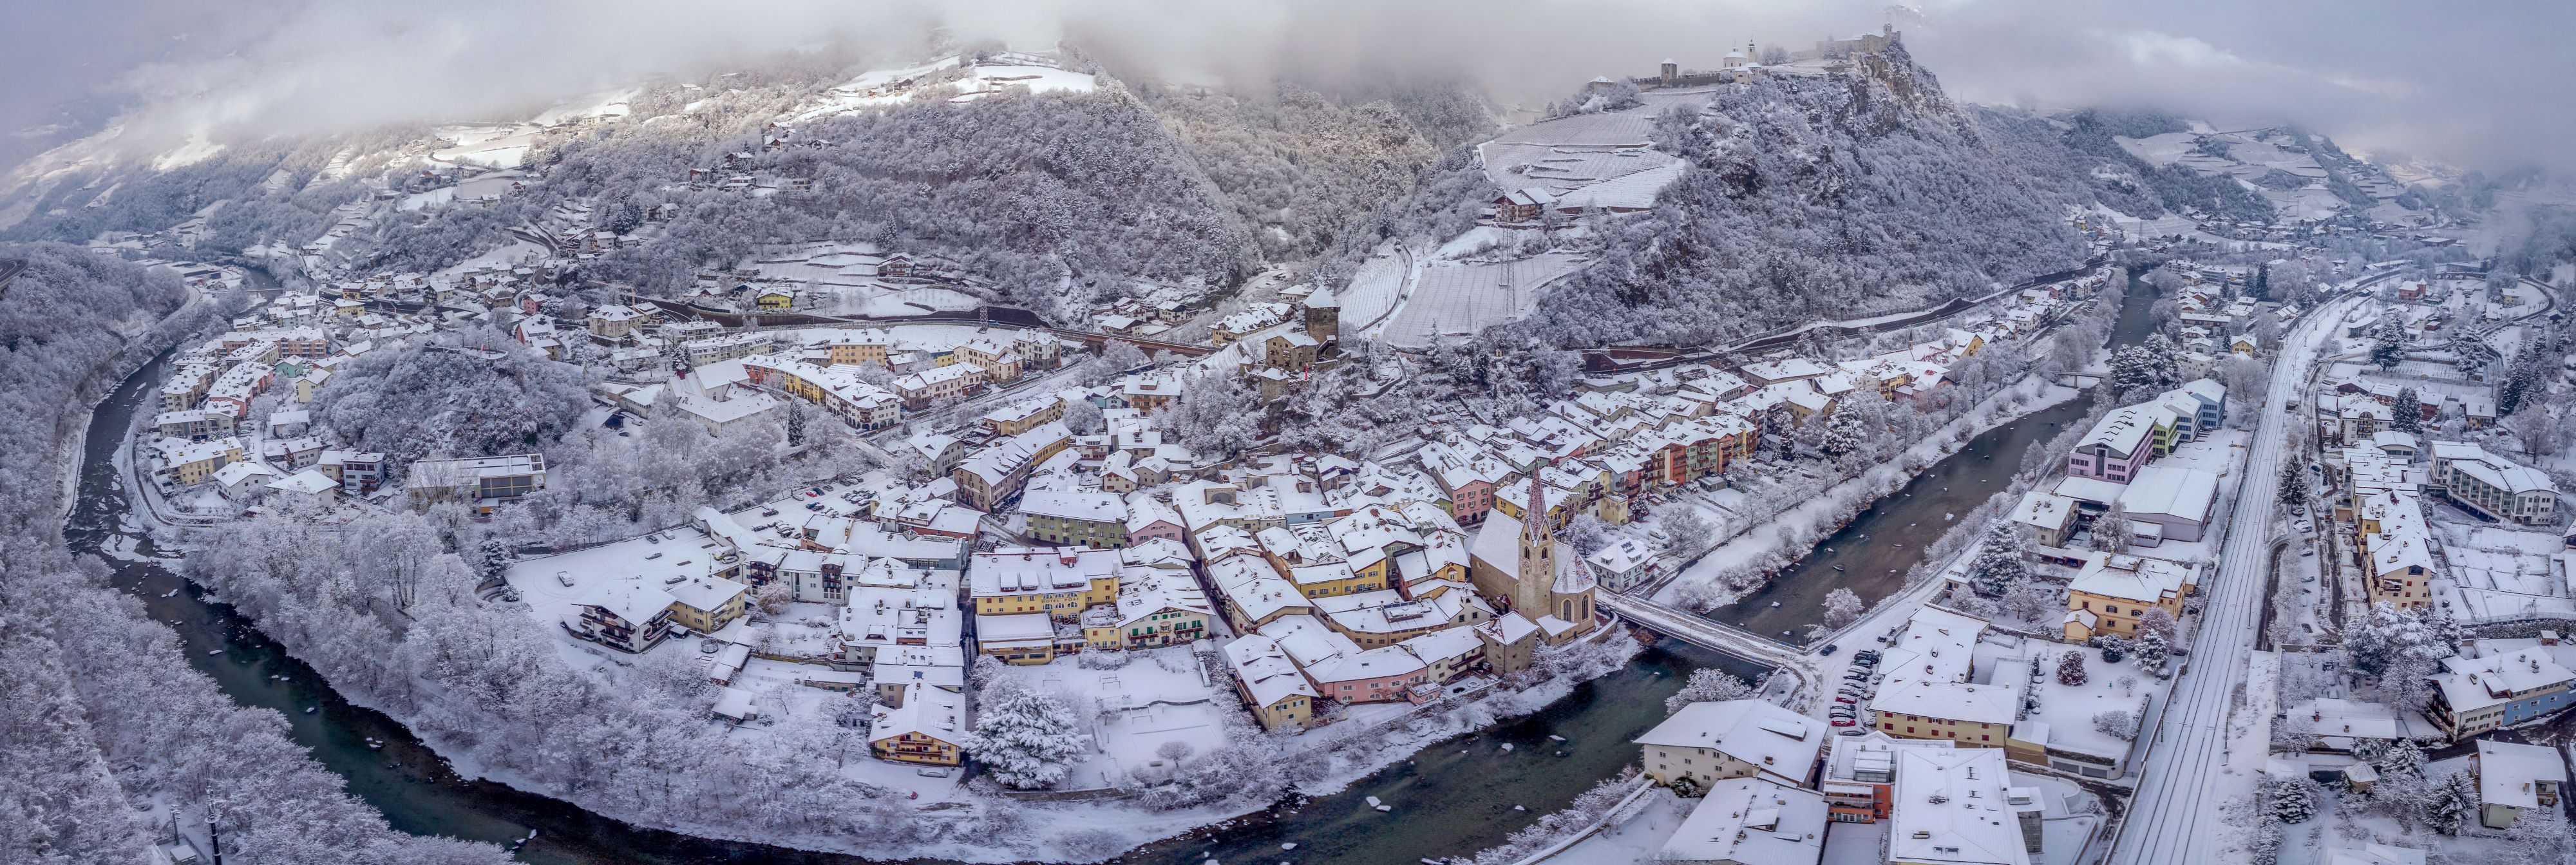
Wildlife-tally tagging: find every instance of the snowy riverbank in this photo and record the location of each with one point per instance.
(1813, 518)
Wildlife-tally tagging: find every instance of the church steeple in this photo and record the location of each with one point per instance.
(1538, 545)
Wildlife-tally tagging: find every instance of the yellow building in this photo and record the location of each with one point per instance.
(2112, 591)
(1060, 581)
(860, 348)
(188, 464)
(1280, 696)
(922, 728)
(706, 604)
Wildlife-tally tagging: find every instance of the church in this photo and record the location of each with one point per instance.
(1521, 564)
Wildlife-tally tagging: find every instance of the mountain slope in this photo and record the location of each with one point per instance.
(1809, 196)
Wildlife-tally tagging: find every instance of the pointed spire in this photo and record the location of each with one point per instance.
(1534, 514)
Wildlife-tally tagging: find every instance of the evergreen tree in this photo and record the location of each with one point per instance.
(492, 559)
(2293, 800)
(2402, 758)
(2294, 486)
(2263, 281)
(2070, 669)
(2113, 648)
(2392, 345)
(2407, 416)
(1999, 564)
(1027, 740)
(796, 420)
(2453, 799)
(2151, 649)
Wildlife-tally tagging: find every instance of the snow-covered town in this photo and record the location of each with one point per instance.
(948, 448)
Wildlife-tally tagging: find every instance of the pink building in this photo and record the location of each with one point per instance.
(2115, 449)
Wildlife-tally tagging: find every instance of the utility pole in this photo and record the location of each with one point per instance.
(213, 839)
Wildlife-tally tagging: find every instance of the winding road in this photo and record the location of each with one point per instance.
(2175, 813)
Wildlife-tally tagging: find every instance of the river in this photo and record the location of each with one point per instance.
(1453, 798)
(1871, 555)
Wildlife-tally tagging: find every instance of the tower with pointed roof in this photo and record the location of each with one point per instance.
(1524, 565)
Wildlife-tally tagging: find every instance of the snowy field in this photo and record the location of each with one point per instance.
(884, 87)
(496, 146)
(1456, 299)
(1375, 290)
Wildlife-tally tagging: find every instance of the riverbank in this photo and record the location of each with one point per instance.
(429, 764)
(1859, 492)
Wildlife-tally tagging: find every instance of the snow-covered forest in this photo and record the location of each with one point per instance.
(1815, 197)
(106, 726)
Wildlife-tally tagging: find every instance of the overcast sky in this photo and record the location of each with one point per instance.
(2478, 83)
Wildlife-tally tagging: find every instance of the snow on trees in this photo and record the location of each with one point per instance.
(2450, 802)
(2119, 724)
(2070, 669)
(2150, 367)
(2293, 800)
(2111, 531)
(2151, 649)
(1842, 607)
(1710, 685)
(441, 398)
(2391, 346)
(1026, 739)
(2294, 485)
(2407, 416)
(2396, 649)
(1999, 563)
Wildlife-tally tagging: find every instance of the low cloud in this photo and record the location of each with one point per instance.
(2475, 85)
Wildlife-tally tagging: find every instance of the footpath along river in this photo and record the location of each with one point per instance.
(1871, 555)
(1453, 798)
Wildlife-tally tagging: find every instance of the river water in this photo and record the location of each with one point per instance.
(1872, 553)
(1452, 798)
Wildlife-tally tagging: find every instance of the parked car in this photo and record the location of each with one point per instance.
(1844, 722)
(564, 577)
(1828, 650)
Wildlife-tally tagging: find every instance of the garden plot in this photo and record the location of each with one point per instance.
(1134, 712)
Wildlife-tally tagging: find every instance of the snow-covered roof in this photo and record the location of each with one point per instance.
(926, 711)
(629, 599)
(705, 593)
(1072, 505)
(1950, 806)
(2510, 774)
(1023, 571)
(1014, 629)
(1751, 821)
(1783, 743)
(2132, 578)
(1265, 670)
(2161, 490)
(2044, 510)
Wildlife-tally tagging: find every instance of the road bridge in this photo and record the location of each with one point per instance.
(1682, 625)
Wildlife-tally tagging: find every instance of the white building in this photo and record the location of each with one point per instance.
(1708, 742)
(1751, 821)
(1956, 806)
